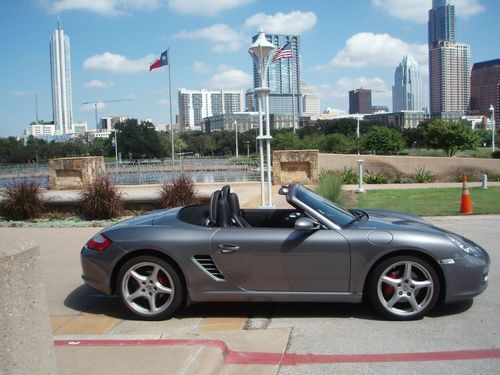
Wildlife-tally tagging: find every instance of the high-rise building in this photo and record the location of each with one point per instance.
(310, 102)
(360, 101)
(195, 105)
(60, 68)
(449, 62)
(485, 88)
(407, 93)
(284, 78)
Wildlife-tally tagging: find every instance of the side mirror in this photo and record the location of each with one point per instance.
(304, 224)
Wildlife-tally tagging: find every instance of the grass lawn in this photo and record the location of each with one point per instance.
(431, 202)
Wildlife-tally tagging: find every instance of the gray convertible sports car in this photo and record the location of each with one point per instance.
(315, 251)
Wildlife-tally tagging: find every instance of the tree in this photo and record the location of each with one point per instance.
(139, 140)
(382, 140)
(450, 136)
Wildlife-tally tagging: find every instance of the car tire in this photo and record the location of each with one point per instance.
(149, 288)
(404, 287)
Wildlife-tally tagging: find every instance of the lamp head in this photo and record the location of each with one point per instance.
(261, 47)
(491, 109)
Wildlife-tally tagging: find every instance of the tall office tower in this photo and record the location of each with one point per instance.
(195, 105)
(407, 92)
(284, 78)
(60, 68)
(449, 62)
(485, 88)
(360, 101)
(310, 102)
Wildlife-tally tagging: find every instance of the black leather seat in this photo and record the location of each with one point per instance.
(212, 214)
(222, 218)
(235, 212)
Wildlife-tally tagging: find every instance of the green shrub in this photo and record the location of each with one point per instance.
(100, 200)
(423, 176)
(180, 192)
(349, 177)
(22, 200)
(459, 177)
(375, 178)
(495, 154)
(402, 178)
(330, 187)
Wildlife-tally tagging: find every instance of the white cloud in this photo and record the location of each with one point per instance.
(225, 37)
(417, 10)
(103, 7)
(368, 49)
(163, 102)
(201, 67)
(282, 23)
(20, 93)
(114, 63)
(98, 84)
(229, 78)
(344, 85)
(205, 7)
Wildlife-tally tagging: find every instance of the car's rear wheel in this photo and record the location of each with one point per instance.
(404, 287)
(149, 288)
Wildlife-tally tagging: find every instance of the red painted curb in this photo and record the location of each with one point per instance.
(293, 359)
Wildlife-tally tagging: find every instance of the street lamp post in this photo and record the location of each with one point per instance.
(492, 111)
(248, 149)
(236, 131)
(116, 146)
(259, 51)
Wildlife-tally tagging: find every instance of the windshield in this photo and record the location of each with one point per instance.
(328, 209)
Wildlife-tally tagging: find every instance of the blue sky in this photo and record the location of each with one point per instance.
(345, 45)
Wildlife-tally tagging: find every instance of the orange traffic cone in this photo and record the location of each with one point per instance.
(466, 206)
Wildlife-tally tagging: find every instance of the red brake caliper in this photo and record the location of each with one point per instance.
(389, 289)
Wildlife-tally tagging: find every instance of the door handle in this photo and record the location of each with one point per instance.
(228, 248)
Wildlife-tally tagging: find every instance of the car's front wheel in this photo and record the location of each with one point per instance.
(149, 288)
(404, 287)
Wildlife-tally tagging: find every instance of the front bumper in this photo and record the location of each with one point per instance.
(467, 277)
(97, 267)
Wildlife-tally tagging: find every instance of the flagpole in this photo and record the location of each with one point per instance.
(170, 102)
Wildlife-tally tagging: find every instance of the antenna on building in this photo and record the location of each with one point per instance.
(36, 107)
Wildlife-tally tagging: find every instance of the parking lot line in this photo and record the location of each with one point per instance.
(295, 359)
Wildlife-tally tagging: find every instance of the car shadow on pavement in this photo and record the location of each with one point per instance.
(87, 300)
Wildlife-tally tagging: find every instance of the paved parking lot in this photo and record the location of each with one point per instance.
(267, 335)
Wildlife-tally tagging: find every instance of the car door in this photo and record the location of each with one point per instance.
(282, 259)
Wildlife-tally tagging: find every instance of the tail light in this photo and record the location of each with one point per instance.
(99, 242)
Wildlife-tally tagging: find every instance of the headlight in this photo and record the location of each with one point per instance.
(463, 245)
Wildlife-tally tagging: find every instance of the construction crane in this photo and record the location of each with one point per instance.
(95, 103)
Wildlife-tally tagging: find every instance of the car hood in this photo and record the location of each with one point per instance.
(393, 220)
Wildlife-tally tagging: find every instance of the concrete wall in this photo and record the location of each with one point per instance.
(445, 168)
(74, 173)
(25, 334)
(295, 166)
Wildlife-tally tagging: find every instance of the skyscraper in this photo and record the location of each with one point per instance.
(284, 78)
(195, 105)
(360, 101)
(60, 68)
(485, 88)
(449, 62)
(407, 92)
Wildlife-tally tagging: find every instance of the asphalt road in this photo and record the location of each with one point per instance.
(319, 329)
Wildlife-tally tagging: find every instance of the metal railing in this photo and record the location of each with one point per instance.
(198, 169)
(16, 172)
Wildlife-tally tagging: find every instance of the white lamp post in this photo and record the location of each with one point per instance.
(492, 111)
(360, 188)
(236, 131)
(116, 145)
(259, 51)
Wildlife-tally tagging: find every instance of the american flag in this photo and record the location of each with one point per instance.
(284, 52)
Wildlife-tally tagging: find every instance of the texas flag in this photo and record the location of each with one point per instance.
(163, 60)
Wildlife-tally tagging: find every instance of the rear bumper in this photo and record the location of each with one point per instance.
(97, 267)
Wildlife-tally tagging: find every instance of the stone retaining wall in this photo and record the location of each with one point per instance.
(295, 166)
(74, 173)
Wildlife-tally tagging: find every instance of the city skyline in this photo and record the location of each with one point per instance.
(343, 47)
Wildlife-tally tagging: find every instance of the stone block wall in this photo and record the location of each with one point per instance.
(74, 173)
(299, 166)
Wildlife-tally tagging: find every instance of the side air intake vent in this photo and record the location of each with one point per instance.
(206, 263)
